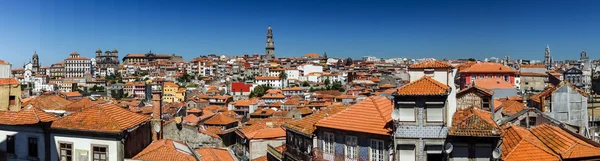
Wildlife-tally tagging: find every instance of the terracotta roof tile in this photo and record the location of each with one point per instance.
(430, 64)
(487, 67)
(101, 118)
(493, 83)
(48, 102)
(371, 115)
(266, 78)
(263, 128)
(424, 86)
(564, 143)
(26, 116)
(219, 119)
(9, 81)
(82, 104)
(473, 121)
(306, 125)
(263, 112)
(211, 131)
(214, 154)
(533, 66)
(191, 119)
(166, 149)
(519, 144)
(511, 107)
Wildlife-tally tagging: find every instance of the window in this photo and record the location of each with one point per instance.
(351, 147)
(406, 111)
(434, 112)
(99, 153)
(32, 147)
(10, 144)
(376, 150)
(11, 100)
(328, 143)
(485, 103)
(66, 152)
(406, 152)
(506, 78)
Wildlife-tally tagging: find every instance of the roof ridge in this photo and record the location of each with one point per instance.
(377, 107)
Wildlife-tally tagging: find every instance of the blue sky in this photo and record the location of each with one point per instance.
(342, 28)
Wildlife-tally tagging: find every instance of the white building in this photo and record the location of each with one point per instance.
(76, 66)
(123, 139)
(22, 134)
(293, 74)
(273, 82)
(309, 68)
(5, 69)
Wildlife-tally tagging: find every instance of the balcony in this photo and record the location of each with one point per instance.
(320, 155)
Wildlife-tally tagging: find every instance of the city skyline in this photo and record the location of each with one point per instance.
(520, 30)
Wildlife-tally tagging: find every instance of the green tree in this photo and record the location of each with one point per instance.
(283, 77)
(305, 84)
(311, 89)
(471, 59)
(259, 91)
(327, 82)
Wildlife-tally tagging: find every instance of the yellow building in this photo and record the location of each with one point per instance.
(171, 93)
(10, 94)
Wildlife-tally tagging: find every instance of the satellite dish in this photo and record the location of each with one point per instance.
(395, 115)
(496, 153)
(448, 148)
(156, 127)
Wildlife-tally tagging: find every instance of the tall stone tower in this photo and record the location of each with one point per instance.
(270, 47)
(547, 58)
(585, 60)
(35, 62)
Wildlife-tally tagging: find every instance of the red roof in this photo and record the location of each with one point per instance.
(430, 64)
(101, 118)
(520, 144)
(240, 86)
(28, 115)
(493, 83)
(488, 68)
(369, 116)
(9, 81)
(473, 121)
(214, 154)
(166, 149)
(424, 86)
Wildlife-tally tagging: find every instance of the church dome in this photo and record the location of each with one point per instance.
(98, 51)
(115, 51)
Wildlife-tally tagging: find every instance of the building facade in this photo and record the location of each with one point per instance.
(107, 63)
(77, 66)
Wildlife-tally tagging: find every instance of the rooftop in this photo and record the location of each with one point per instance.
(371, 115)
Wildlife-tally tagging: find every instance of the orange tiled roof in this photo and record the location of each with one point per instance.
(266, 78)
(219, 119)
(564, 143)
(101, 118)
(3, 62)
(430, 64)
(214, 154)
(191, 119)
(511, 107)
(424, 86)
(520, 144)
(26, 116)
(310, 55)
(473, 121)
(306, 125)
(170, 84)
(533, 66)
(493, 83)
(548, 92)
(263, 158)
(387, 86)
(369, 116)
(82, 104)
(73, 94)
(48, 102)
(165, 149)
(263, 128)
(263, 111)
(211, 131)
(9, 81)
(487, 67)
